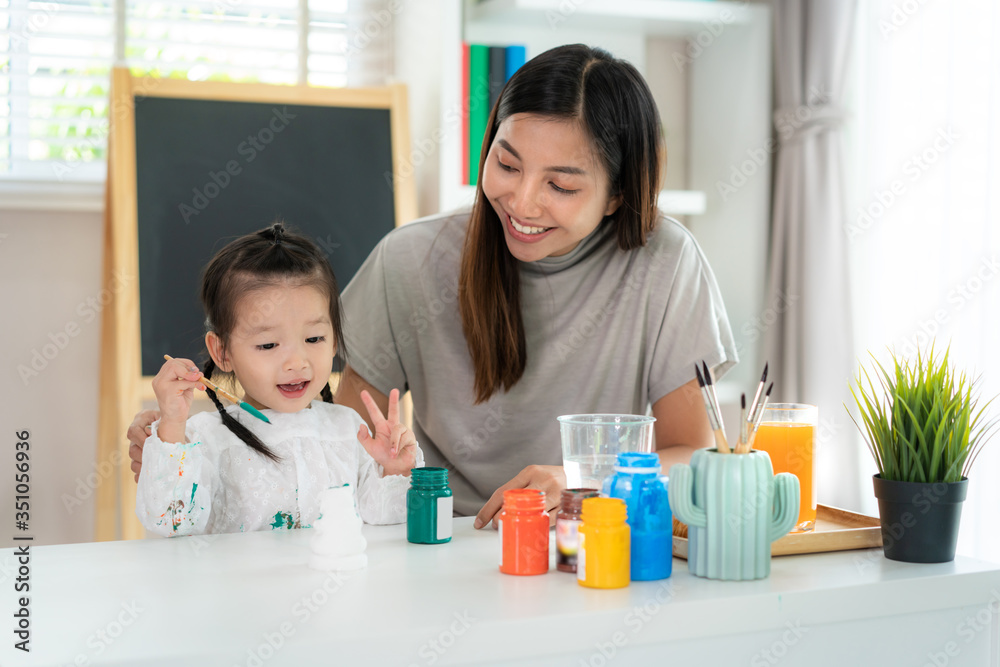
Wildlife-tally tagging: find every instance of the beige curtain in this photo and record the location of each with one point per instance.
(810, 347)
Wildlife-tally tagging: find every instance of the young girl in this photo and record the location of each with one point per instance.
(273, 315)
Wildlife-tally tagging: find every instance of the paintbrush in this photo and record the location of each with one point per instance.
(225, 394)
(759, 417)
(714, 415)
(756, 397)
(743, 424)
(747, 426)
(710, 381)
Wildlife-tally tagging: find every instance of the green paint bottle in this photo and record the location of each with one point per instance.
(428, 506)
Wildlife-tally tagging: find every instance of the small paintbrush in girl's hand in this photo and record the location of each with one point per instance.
(225, 394)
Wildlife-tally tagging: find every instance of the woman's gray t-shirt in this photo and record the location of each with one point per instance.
(607, 331)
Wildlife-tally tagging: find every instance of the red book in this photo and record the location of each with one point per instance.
(464, 102)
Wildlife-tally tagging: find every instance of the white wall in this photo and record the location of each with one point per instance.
(50, 271)
(418, 49)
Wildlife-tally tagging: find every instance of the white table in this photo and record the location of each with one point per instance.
(251, 600)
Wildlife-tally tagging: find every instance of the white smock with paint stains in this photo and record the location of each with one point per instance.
(216, 484)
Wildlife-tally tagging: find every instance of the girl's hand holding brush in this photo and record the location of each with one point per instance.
(174, 387)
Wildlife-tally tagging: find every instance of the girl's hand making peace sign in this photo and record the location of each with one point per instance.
(394, 447)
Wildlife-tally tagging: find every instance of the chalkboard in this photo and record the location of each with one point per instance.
(208, 171)
(195, 164)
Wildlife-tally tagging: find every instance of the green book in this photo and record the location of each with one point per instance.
(479, 104)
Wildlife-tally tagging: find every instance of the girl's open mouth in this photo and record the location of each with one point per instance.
(293, 390)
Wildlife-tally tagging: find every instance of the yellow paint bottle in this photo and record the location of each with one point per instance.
(604, 555)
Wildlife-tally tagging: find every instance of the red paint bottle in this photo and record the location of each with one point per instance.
(524, 533)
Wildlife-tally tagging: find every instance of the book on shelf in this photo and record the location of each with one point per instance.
(498, 70)
(464, 106)
(485, 71)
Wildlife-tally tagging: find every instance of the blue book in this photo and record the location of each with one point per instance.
(516, 56)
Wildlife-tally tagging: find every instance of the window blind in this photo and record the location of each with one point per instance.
(56, 57)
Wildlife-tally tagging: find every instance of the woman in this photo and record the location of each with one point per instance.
(563, 291)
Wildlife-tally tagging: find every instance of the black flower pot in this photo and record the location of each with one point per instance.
(920, 521)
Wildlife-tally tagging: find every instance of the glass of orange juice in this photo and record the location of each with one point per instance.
(786, 433)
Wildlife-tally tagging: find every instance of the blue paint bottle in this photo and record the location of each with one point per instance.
(637, 481)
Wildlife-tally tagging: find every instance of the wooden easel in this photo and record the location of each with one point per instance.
(121, 381)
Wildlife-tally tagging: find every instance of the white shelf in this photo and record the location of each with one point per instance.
(671, 202)
(27, 195)
(676, 18)
(682, 202)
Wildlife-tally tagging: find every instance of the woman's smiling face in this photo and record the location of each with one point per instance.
(546, 185)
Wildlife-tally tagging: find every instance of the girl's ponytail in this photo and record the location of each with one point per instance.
(238, 429)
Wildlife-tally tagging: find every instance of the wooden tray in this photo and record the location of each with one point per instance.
(836, 530)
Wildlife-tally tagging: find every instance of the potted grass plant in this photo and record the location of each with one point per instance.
(924, 428)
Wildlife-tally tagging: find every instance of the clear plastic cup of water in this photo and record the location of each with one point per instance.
(590, 444)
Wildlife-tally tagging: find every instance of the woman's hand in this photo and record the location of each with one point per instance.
(174, 387)
(549, 479)
(138, 431)
(393, 446)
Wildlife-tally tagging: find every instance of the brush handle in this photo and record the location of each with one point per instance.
(225, 394)
(720, 442)
(211, 385)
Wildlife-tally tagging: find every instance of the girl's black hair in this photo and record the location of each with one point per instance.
(267, 258)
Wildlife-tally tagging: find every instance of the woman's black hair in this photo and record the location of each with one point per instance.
(616, 110)
(267, 258)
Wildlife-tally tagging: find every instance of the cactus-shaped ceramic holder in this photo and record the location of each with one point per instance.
(734, 506)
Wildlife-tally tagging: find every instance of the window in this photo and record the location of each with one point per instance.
(56, 58)
(922, 224)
